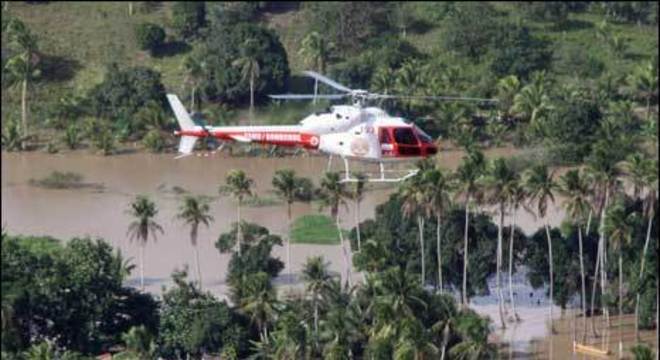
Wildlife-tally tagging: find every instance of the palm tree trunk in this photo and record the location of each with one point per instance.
(347, 270)
(24, 113)
(239, 233)
(586, 232)
(584, 295)
(620, 303)
(420, 224)
(199, 271)
(603, 259)
(641, 274)
(130, 8)
(511, 239)
(192, 99)
(499, 266)
(593, 291)
(316, 320)
(439, 250)
(288, 243)
(465, 253)
(142, 264)
(550, 263)
(357, 224)
(251, 96)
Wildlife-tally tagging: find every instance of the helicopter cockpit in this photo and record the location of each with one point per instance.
(407, 141)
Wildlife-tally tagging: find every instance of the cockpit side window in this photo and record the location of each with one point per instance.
(405, 136)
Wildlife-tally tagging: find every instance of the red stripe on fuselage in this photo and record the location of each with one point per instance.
(281, 138)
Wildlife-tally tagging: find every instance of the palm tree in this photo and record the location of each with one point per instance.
(516, 197)
(383, 80)
(333, 194)
(620, 226)
(259, 302)
(315, 49)
(498, 182)
(315, 273)
(507, 89)
(22, 67)
(239, 186)
(194, 69)
(576, 189)
(415, 201)
(248, 63)
(533, 103)
(139, 344)
(644, 83)
(286, 186)
(439, 188)
(195, 211)
(604, 174)
(467, 174)
(541, 187)
(643, 173)
(357, 194)
(143, 211)
(414, 342)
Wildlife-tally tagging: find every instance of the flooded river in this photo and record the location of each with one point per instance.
(28, 209)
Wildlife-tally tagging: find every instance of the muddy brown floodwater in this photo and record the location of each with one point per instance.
(68, 213)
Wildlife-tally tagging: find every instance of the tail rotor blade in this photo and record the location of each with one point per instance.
(307, 96)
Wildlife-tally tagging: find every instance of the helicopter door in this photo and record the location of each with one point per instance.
(386, 144)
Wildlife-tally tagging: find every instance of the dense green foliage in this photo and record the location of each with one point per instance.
(188, 18)
(150, 37)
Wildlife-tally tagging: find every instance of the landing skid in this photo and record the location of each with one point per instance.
(382, 176)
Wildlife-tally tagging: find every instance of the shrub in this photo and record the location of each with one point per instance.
(154, 141)
(71, 137)
(149, 36)
(188, 17)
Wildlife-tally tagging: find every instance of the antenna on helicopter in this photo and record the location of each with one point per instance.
(359, 96)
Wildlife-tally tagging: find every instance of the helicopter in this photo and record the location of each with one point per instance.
(351, 132)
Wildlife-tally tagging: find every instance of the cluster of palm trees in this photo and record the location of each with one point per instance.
(587, 191)
(195, 211)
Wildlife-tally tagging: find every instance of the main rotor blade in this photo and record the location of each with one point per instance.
(307, 96)
(447, 98)
(327, 81)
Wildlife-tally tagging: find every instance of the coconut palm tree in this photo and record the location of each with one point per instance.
(239, 186)
(533, 103)
(415, 202)
(139, 344)
(439, 188)
(604, 174)
(143, 210)
(507, 89)
(195, 211)
(287, 186)
(259, 302)
(620, 226)
(22, 68)
(643, 173)
(467, 175)
(541, 188)
(383, 80)
(333, 195)
(316, 50)
(517, 197)
(497, 184)
(248, 63)
(414, 341)
(644, 83)
(357, 194)
(194, 68)
(575, 188)
(315, 273)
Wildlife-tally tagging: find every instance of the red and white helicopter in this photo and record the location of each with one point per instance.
(352, 132)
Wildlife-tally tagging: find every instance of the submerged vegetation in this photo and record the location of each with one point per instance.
(576, 84)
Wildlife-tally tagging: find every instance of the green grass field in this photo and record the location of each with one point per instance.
(315, 229)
